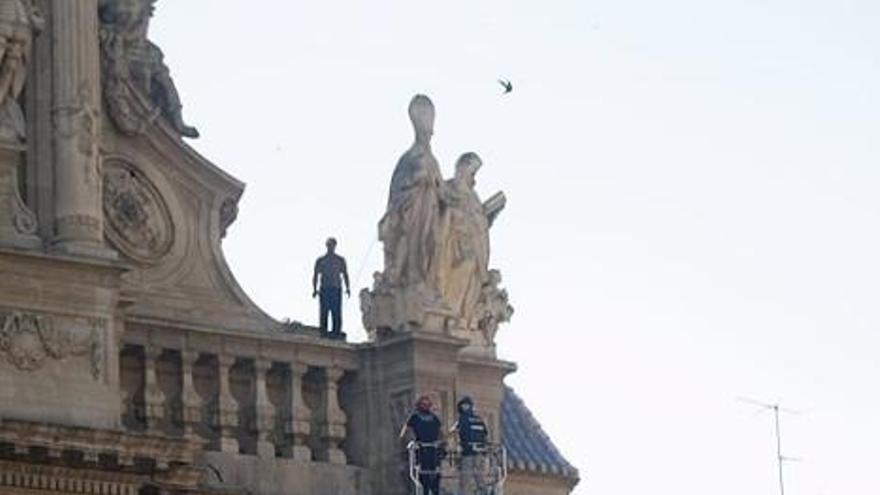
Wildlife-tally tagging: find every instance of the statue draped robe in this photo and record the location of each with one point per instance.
(463, 260)
(409, 227)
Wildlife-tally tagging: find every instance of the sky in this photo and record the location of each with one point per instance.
(692, 210)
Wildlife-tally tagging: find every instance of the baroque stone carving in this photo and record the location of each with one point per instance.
(138, 87)
(19, 20)
(138, 221)
(28, 340)
(78, 121)
(436, 242)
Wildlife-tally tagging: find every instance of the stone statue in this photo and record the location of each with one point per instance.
(465, 281)
(463, 259)
(137, 84)
(436, 237)
(19, 20)
(493, 307)
(409, 227)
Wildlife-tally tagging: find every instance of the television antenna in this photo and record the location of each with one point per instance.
(780, 459)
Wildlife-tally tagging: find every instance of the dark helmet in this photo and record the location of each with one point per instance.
(461, 403)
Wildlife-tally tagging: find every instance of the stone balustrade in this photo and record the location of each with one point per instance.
(268, 394)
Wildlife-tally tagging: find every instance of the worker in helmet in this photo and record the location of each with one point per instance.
(472, 437)
(426, 428)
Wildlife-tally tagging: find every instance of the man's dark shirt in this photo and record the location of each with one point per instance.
(331, 266)
(425, 425)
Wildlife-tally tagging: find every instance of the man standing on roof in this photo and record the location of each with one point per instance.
(426, 427)
(332, 271)
(472, 436)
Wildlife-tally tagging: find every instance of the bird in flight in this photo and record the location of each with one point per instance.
(508, 87)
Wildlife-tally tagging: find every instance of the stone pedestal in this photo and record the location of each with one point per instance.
(392, 310)
(59, 350)
(18, 225)
(396, 370)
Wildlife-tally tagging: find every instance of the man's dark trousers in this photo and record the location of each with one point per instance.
(331, 302)
(429, 465)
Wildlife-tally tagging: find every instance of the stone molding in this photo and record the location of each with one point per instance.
(23, 479)
(172, 459)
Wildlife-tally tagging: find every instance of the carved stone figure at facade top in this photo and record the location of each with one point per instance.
(409, 227)
(436, 238)
(137, 83)
(19, 20)
(493, 307)
(462, 269)
(463, 258)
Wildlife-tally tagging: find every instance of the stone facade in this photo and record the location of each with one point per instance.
(131, 362)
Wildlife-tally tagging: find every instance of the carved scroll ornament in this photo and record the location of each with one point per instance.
(29, 340)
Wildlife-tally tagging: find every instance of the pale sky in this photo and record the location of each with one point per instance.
(692, 205)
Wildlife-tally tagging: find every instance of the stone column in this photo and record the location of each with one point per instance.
(228, 407)
(192, 402)
(265, 412)
(76, 116)
(300, 415)
(333, 433)
(154, 398)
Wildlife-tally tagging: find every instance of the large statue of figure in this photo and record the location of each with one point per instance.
(436, 238)
(137, 83)
(463, 259)
(409, 228)
(19, 20)
(467, 285)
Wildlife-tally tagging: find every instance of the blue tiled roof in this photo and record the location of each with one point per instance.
(528, 447)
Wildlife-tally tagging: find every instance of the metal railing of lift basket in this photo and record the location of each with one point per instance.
(495, 465)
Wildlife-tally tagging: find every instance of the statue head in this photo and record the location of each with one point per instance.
(466, 168)
(421, 113)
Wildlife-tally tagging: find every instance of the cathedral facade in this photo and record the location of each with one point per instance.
(132, 363)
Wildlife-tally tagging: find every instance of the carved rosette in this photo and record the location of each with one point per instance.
(138, 221)
(29, 340)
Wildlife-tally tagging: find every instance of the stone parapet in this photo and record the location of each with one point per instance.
(267, 395)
